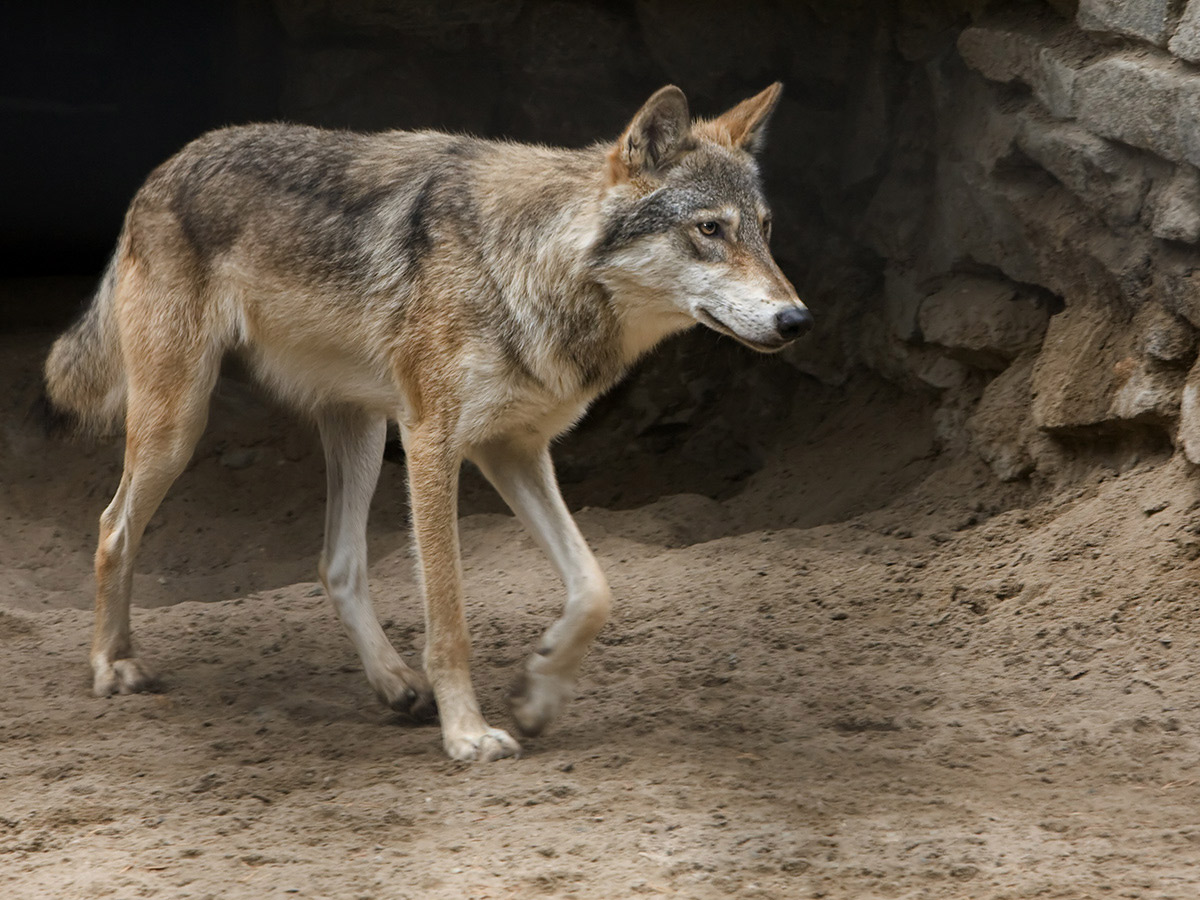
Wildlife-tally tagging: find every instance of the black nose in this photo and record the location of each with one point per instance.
(793, 322)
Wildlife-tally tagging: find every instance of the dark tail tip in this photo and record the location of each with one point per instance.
(53, 421)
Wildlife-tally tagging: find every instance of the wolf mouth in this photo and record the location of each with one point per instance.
(720, 327)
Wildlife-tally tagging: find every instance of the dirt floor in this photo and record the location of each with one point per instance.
(865, 670)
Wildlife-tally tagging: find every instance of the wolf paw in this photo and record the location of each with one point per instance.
(405, 690)
(122, 676)
(492, 744)
(536, 699)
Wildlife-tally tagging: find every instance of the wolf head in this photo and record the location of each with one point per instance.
(686, 228)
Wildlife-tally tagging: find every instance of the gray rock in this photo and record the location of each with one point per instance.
(1163, 336)
(1000, 426)
(1134, 97)
(950, 426)
(983, 322)
(1075, 375)
(1003, 52)
(1186, 42)
(1188, 436)
(1147, 20)
(1187, 122)
(559, 52)
(573, 46)
(1176, 283)
(1045, 235)
(1058, 70)
(1109, 178)
(1047, 57)
(985, 210)
(939, 372)
(1176, 206)
(1149, 392)
(878, 350)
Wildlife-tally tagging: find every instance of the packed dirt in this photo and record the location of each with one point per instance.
(854, 667)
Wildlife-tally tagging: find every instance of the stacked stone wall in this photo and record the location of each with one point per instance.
(1038, 221)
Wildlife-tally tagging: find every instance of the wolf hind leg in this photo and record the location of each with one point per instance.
(524, 477)
(168, 392)
(353, 441)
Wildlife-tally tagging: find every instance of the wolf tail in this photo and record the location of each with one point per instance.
(85, 375)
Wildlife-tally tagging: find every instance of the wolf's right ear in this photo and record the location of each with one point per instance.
(743, 126)
(655, 137)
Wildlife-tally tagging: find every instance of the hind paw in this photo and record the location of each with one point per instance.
(537, 699)
(122, 676)
(405, 690)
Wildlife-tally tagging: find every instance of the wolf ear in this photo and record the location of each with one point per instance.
(655, 136)
(744, 127)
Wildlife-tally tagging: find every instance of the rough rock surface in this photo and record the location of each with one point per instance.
(1148, 20)
(1065, 154)
(1189, 417)
(1186, 42)
(983, 321)
(1177, 207)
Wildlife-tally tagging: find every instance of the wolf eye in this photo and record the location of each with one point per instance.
(766, 230)
(709, 229)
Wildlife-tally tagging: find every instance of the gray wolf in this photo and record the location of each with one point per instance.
(479, 293)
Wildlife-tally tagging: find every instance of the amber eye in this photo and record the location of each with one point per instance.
(709, 229)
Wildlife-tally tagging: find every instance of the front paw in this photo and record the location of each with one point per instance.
(490, 744)
(122, 676)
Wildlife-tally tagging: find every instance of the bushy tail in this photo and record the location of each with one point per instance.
(85, 377)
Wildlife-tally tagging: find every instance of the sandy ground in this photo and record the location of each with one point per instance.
(864, 671)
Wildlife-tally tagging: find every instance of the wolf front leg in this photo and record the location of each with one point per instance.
(433, 462)
(524, 476)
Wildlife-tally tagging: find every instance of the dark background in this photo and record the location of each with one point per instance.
(94, 95)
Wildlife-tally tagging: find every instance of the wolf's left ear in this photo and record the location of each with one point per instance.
(744, 127)
(654, 138)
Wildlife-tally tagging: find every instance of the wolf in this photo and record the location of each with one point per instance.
(479, 293)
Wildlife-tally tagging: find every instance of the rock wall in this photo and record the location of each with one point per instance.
(1037, 214)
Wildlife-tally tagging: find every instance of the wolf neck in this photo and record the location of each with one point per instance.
(577, 332)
